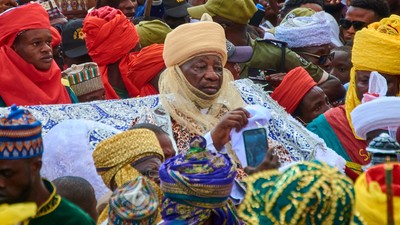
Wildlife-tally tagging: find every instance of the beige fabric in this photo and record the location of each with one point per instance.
(191, 39)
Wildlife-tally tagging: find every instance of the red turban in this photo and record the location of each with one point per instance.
(26, 17)
(144, 66)
(27, 85)
(294, 86)
(56, 37)
(109, 37)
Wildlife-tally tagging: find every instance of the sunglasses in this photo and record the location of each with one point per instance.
(321, 58)
(346, 24)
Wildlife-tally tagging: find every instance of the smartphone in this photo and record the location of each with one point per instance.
(257, 18)
(266, 25)
(255, 146)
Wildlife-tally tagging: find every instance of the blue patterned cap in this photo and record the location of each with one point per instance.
(20, 135)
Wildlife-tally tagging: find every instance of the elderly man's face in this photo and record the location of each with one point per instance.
(205, 73)
(7, 4)
(34, 46)
(362, 83)
(15, 180)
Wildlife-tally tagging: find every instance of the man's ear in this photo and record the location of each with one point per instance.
(36, 164)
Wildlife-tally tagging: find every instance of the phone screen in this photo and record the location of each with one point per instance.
(255, 144)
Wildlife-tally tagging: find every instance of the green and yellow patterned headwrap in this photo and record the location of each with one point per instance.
(306, 193)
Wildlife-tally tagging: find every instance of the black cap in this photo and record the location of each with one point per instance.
(176, 8)
(73, 39)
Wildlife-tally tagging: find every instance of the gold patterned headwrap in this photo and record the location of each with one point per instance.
(375, 48)
(113, 156)
(179, 98)
(309, 193)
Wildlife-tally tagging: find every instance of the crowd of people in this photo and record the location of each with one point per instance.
(139, 112)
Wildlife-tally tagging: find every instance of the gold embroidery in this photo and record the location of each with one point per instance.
(362, 154)
(52, 202)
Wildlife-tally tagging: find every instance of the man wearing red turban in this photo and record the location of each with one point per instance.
(300, 96)
(111, 40)
(28, 73)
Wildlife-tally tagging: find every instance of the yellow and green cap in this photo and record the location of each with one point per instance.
(152, 32)
(238, 11)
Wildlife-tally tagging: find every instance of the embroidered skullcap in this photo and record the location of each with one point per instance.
(304, 31)
(20, 135)
(294, 86)
(135, 202)
(84, 78)
(118, 152)
(375, 49)
(191, 39)
(238, 11)
(16, 213)
(306, 193)
(152, 32)
(197, 184)
(370, 189)
(14, 20)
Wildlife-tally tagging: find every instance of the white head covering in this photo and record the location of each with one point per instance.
(381, 113)
(305, 31)
(69, 147)
(334, 32)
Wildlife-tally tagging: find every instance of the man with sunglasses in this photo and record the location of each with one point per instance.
(269, 57)
(375, 49)
(360, 14)
(309, 36)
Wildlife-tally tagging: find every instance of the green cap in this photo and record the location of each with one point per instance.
(298, 12)
(152, 32)
(238, 11)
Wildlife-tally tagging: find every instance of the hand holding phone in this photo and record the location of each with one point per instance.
(256, 146)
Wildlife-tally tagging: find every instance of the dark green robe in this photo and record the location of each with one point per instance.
(59, 211)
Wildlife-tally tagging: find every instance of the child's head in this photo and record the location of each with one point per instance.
(341, 63)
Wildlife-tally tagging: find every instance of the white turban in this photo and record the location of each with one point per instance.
(69, 147)
(381, 113)
(334, 30)
(305, 31)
